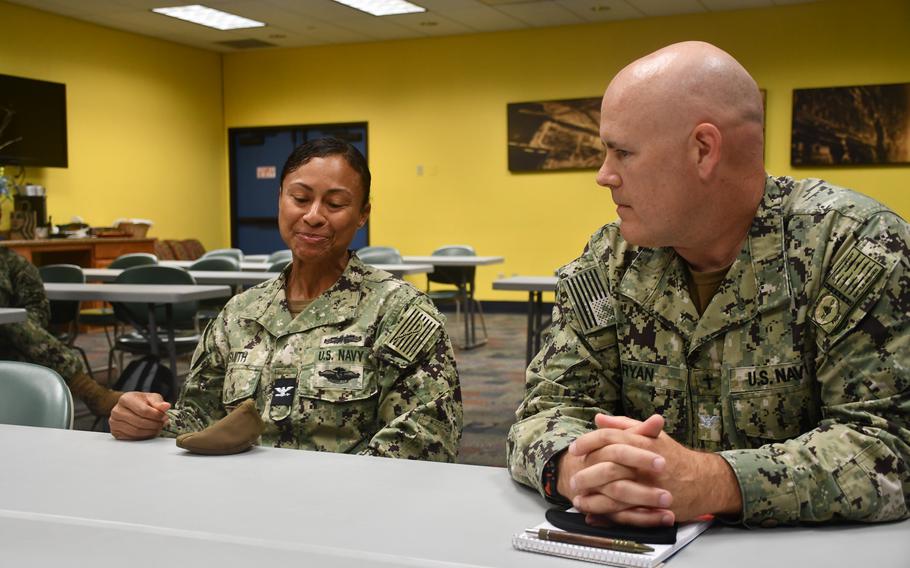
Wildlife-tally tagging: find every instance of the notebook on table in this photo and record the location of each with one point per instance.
(685, 534)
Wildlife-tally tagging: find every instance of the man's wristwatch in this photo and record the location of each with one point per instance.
(550, 480)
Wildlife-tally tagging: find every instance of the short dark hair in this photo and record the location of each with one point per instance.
(324, 147)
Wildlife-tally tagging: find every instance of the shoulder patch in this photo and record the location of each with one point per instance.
(847, 283)
(588, 292)
(412, 332)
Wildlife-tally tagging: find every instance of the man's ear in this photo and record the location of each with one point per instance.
(706, 144)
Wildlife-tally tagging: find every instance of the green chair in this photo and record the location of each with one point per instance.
(136, 315)
(379, 255)
(133, 259)
(216, 263)
(64, 322)
(279, 255)
(462, 278)
(279, 266)
(31, 395)
(209, 309)
(234, 253)
(104, 316)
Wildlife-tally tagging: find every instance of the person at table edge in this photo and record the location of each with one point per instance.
(30, 341)
(339, 356)
(736, 343)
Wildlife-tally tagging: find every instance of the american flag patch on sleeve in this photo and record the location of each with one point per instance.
(412, 332)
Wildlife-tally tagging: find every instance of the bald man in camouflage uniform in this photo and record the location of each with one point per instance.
(367, 368)
(29, 341)
(780, 396)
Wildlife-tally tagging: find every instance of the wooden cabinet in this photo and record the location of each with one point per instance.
(87, 253)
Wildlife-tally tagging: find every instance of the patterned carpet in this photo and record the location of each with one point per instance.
(492, 383)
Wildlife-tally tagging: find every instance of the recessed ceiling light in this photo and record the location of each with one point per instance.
(383, 7)
(209, 17)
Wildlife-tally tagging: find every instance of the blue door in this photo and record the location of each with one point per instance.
(256, 158)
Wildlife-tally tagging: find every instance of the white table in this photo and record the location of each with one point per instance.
(535, 286)
(245, 265)
(395, 269)
(12, 315)
(83, 498)
(470, 336)
(229, 277)
(150, 294)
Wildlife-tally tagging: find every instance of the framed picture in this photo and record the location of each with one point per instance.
(867, 124)
(554, 135)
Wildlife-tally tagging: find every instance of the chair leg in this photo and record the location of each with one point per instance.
(88, 366)
(483, 322)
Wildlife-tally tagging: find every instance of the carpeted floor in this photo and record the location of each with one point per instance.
(492, 384)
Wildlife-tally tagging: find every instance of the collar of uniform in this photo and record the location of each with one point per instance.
(335, 305)
(656, 279)
(758, 280)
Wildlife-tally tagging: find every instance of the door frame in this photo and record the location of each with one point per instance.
(265, 130)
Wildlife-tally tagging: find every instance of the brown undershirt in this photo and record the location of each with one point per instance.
(297, 306)
(703, 286)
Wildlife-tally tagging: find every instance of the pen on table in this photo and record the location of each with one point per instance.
(595, 541)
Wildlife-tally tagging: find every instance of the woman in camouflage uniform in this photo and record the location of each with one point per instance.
(338, 356)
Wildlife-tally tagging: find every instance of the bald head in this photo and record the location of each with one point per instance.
(691, 82)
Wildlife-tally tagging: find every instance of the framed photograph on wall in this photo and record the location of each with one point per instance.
(554, 135)
(860, 125)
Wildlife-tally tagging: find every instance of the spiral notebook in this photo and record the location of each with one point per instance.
(686, 534)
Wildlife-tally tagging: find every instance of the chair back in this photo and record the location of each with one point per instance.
(453, 274)
(134, 259)
(279, 265)
(180, 250)
(236, 254)
(31, 395)
(379, 255)
(285, 254)
(193, 248)
(163, 250)
(63, 312)
(137, 313)
(225, 263)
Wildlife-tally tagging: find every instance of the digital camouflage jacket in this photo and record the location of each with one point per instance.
(366, 368)
(21, 287)
(797, 373)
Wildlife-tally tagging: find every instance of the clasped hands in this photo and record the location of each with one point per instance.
(632, 472)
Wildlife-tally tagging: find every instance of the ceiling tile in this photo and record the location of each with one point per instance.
(722, 5)
(476, 16)
(667, 7)
(540, 14)
(601, 10)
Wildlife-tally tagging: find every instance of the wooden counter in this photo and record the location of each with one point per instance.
(87, 253)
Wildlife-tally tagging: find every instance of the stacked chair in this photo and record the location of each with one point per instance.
(209, 309)
(64, 322)
(462, 278)
(104, 316)
(136, 315)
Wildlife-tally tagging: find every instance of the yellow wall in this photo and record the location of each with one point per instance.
(145, 124)
(441, 103)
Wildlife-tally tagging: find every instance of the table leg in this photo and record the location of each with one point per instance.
(153, 330)
(529, 343)
(538, 309)
(171, 348)
(470, 330)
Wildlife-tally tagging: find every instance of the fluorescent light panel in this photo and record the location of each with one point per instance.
(205, 16)
(383, 7)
